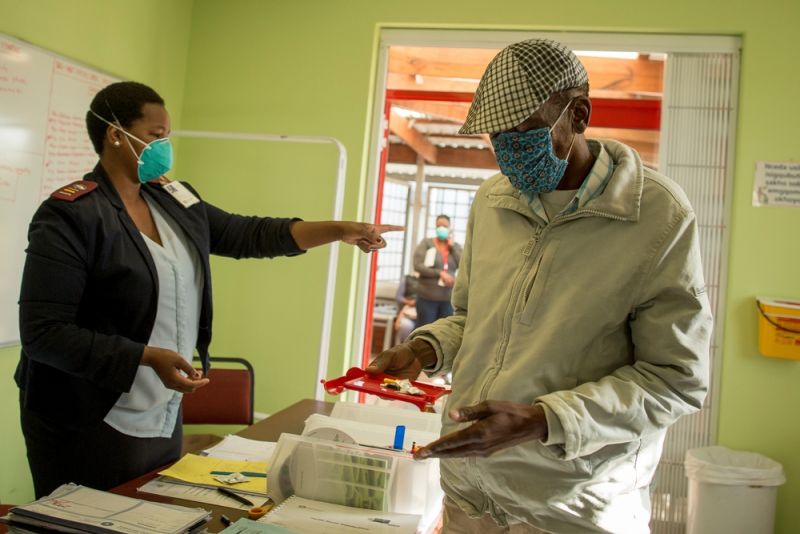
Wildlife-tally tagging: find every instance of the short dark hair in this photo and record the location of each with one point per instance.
(443, 216)
(121, 101)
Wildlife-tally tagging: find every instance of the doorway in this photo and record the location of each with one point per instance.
(672, 98)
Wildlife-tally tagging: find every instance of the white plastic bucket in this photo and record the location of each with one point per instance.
(731, 492)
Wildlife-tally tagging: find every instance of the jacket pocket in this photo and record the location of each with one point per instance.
(535, 286)
(554, 454)
(616, 466)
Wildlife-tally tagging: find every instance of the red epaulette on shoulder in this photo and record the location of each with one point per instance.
(74, 191)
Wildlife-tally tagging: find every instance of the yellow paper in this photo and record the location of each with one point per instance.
(197, 470)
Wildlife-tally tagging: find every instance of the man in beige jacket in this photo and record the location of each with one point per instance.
(581, 327)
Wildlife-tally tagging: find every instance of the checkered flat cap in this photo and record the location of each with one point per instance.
(519, 80)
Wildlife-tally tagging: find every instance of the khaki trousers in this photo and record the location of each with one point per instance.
(456, 521)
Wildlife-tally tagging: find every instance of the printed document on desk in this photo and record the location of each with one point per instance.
(238, 448)
(306, 516)
(197, 470)
(88, 510)
(189, 492)
(248, 526)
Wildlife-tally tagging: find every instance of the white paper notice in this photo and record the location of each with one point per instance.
(777, 184)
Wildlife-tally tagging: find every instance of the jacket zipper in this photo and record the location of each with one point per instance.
(584, 212)
(530, 252)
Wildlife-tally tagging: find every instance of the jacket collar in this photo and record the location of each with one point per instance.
(105, 185)
(621, 198)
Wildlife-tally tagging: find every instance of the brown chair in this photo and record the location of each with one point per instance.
(228, 399)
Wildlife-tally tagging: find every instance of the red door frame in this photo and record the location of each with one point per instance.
(366, 352)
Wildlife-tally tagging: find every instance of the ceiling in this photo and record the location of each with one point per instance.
(430, 90)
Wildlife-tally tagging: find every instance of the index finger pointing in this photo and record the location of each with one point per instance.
(389, 228)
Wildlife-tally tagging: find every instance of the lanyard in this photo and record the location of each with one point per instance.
(444, 251)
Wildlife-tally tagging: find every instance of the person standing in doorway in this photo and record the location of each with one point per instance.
(436, 260)
(568, 365)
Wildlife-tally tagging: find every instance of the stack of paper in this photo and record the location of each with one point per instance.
(188, 492)
(80, 510)
(193, 478)
(200, 471)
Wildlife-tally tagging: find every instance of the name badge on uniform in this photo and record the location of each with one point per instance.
(181, 194)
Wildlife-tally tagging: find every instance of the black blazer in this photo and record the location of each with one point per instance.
(90, 290)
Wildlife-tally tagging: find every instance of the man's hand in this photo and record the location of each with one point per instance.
(405, 360)
(498, 424)
(366, 236)
(168, 366)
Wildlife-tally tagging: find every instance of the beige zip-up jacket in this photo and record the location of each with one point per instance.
(600, 315)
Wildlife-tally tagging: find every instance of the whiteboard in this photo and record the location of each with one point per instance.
(43, 145)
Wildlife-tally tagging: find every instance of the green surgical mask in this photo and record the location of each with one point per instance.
(155, 159)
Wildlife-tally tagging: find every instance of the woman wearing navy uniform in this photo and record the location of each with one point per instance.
(116, 297)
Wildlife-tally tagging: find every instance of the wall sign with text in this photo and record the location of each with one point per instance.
(777, 184)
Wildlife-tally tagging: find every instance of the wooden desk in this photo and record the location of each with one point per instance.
(289, 420)
(4, 508)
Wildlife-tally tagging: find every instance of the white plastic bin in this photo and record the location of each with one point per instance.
(731, 492)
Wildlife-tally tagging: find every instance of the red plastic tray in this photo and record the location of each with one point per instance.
(358, 379)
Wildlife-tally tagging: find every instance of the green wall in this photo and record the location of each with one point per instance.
(147, 41)
(306, 68)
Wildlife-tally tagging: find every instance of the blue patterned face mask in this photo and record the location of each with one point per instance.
(527, 158)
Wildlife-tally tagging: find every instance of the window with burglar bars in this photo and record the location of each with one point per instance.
(395, 208)
(454, 203)
(696, 151)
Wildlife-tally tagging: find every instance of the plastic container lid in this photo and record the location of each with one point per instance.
(721, 465)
